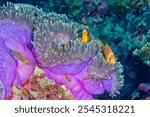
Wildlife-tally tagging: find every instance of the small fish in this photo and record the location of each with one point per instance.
(67, 78)
(85, 36)
(19, 56)
(25, 92)
(97, 83)
(108, 53)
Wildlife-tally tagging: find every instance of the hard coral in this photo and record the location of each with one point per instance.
(136, 5)
(144, 53)
(38, 87)
(138, 28)
(142, 92)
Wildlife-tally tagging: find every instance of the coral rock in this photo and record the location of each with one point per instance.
(144, 53)
(41, 88)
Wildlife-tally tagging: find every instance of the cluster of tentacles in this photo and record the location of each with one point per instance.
(30, 37)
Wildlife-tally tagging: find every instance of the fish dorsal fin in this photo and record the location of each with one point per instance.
(107, 45)
(101, 44)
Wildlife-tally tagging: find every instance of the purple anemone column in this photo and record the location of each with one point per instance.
(66, 75)
(24, 70)
(8, 70)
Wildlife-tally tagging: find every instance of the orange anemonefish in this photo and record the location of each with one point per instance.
(25, 92)
(19, 56)
(67, 78)
(108, 53)
(85, 36)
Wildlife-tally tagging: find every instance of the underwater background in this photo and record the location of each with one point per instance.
(124, 25)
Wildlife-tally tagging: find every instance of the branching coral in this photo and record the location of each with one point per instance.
(136, 5)
(144, 53)
(138, 28)
(126, 34)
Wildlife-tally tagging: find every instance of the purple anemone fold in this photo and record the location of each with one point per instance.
(7, 70)
(2, 91)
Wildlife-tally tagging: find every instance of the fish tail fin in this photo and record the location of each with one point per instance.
(101, 44)
(78, 38)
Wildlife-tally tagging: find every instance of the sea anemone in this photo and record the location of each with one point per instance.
(79, 66)
(108, 77)
(16, 25)
(2, 90)
(144, 53)
(52, 37)
(7, 73)
(17, 18)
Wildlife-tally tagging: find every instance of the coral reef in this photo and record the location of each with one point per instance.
(124, 35)
(85, 8)
(138, 28)
(38, 87)
(142, 92)
(127, 5)
(144, 53)
(136, 5)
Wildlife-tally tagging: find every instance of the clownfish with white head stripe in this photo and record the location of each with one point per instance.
(108, 53)
(85, 36)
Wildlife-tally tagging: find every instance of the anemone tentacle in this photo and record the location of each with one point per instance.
(17, 18)
(65, 53)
